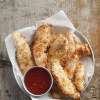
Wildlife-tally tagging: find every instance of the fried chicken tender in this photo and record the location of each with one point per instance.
(79, 77)
(63, 82)
(41, 44)
(23, 53)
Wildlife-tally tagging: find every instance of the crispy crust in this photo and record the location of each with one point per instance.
(65, 85)
(41, 44)
(23, 53)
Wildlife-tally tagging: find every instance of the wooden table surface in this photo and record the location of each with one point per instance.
(15, 14)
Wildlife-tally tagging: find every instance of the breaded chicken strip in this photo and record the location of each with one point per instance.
(41, 44)
(79, 77)
(23, 53)
(63, 82)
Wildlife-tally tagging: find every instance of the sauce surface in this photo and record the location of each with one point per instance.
(37, 81)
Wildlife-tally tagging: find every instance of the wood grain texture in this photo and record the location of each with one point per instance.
(15, 14)
(9, 90)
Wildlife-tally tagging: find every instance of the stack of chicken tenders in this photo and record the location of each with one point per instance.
(60, 53)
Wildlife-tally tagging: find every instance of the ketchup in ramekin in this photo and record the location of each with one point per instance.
(38, 81)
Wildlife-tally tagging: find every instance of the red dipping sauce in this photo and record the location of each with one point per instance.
(38, 80)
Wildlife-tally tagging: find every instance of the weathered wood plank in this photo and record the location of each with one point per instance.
(15, 14)
(9, 90)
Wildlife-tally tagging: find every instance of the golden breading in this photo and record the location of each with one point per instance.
(63, 82)
(43, 33)
(79, 77)
(83, 50)
(40, 54)
(41, 44)
(23, 53)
